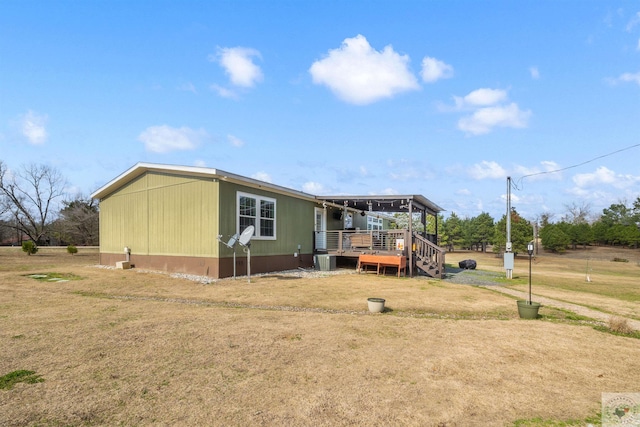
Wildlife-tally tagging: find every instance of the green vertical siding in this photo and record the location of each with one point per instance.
(294, 221)
(162, 214)
(123, 218)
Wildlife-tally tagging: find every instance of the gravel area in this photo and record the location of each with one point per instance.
(206, 280)
(472, 277)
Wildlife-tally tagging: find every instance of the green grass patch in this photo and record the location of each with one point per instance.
(54, 277)
(633, 334)
(92, 294)
(594, 420)
(21, 376)
(560, 314)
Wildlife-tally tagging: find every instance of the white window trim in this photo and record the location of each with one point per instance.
(258, 199)
(374, 221)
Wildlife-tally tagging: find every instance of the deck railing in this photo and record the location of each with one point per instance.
(345, 241)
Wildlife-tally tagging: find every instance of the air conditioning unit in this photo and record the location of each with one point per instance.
(325, 262)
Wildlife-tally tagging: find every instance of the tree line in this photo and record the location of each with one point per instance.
(34, 206)
(617, 225)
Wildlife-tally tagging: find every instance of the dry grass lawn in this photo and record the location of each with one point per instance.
(132, 348)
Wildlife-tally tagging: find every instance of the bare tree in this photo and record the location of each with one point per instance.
(78, 222)
(577, 214)
(29, 198)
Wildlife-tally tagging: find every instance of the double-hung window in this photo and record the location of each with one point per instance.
(258, 211)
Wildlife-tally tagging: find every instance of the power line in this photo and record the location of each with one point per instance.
(576, 165)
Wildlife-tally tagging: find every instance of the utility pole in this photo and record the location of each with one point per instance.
(508, 254)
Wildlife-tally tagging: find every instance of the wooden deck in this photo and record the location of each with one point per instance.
(418, 252)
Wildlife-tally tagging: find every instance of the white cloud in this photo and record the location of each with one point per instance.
(313, 188)
(514, 198)
(487, 170)
(364, 171)
(33, 127)
(535, 73)
(463, 192)
(489, 110)
(408, 174)
(224, 92)
(538, 172)
(200, 163)
(238, 64)
(629, 78)
(163, 139)
(358, 74)
(605, 176)
(484, 120)
(633, 22)
(481, 98)
(235, 141)
(389, 192)
(434, 70)
(262, 176)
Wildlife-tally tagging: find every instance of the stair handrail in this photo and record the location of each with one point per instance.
(424, 248)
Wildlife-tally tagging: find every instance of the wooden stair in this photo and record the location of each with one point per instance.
(429, 257)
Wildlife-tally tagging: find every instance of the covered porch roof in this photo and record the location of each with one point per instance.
(388, 204)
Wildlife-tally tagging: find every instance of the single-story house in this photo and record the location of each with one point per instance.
(182, 219)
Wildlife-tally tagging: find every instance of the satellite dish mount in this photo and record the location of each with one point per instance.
(231, 244)
(245, 240)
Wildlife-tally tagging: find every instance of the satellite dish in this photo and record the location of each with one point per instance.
(232, 241)
(246, 235)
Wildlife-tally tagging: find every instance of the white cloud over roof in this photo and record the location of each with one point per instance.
(358, 74)
(262, 176)
(312, 187)
(164, 139)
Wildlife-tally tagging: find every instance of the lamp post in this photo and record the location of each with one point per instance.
(530, 251)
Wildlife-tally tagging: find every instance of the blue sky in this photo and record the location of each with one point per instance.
(440, 98)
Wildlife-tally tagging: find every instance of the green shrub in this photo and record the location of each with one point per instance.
(29, 247)
(616, 259)
(72, 249)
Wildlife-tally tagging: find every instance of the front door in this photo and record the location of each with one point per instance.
(320, 227)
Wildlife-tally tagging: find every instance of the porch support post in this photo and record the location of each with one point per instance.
(410, 238)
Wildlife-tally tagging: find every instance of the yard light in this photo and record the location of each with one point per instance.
(530, 251)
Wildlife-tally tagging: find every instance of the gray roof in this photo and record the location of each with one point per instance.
(387, 204)
(141, 168)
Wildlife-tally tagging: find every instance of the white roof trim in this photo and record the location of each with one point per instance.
(140, 168)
